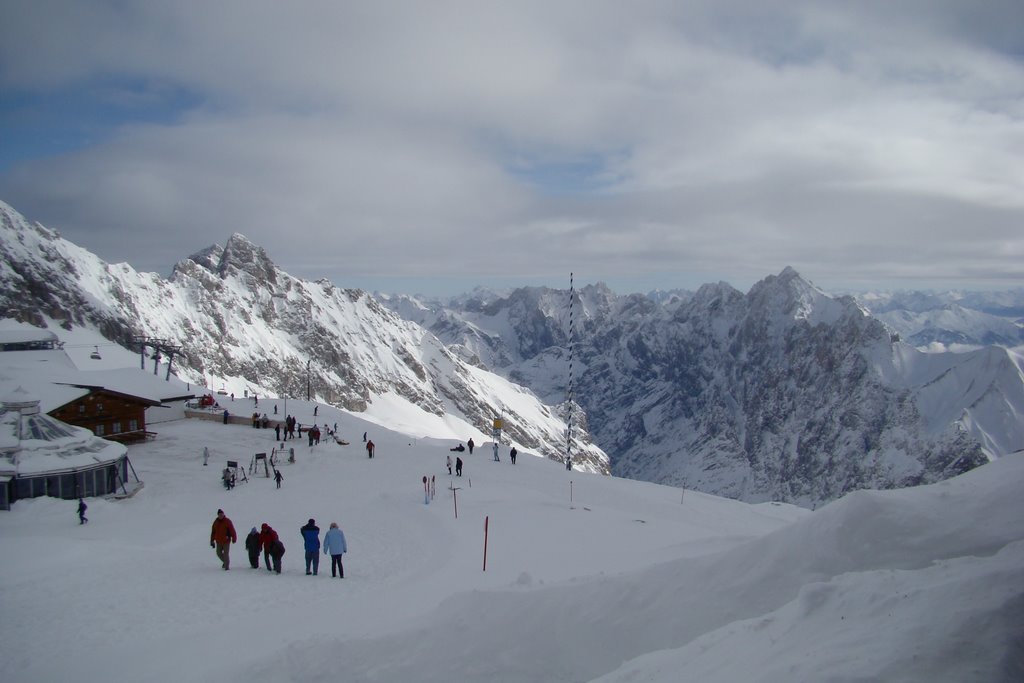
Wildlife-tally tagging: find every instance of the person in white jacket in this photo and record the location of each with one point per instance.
(335, 546)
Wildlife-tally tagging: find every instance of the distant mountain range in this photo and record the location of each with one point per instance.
(781, 393)
(248, 327)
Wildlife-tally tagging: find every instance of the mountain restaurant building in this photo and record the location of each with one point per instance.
(107, 413)
(42, 456)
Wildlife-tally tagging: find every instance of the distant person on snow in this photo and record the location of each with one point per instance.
(311, 540)
(82, 507)
(222, 535)
(369, 448)
(512, 455)
(458, 467)
(278, 477)
(206, 455)
(267, 538)
(449, 463)
(458, 448)
(470, 444)
(252, 546)
(335, 546)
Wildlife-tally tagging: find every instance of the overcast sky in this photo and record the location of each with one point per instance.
(433, 146)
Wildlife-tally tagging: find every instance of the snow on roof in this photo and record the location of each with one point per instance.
(21, 336)
(34, 443)
(52, 378)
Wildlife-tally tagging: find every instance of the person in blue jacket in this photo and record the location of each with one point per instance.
(335, 546)
(311, 538)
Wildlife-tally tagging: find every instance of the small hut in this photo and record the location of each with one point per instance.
(42, 456)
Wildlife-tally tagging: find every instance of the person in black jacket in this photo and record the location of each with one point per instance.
(276, 553)
(82, 507)
(252, 546)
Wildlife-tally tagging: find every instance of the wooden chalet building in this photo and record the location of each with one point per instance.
(108, 414)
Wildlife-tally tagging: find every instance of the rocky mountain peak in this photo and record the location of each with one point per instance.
(242, 255)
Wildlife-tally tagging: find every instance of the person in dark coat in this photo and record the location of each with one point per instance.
(458, 467)
(82, 507)
(276, 553)
(278, 477)
(222, 535)
(470, 444)
(252, 546)
(225, 417)
(369, 448)
(311, 541)
(267, 538)
(512, 454)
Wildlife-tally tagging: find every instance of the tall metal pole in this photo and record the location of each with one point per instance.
(569, 386)
(307, 379)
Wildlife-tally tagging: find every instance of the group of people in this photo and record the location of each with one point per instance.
(260, 422)
(222, 535)
(458, 465)
(460, 448)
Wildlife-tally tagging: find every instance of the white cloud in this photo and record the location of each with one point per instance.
(406, 139)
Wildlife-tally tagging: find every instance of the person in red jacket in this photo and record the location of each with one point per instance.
(267, 538)
(222, 535)
(369, 448)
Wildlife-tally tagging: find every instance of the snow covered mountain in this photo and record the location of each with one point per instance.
(247, 327)
(938, 321)
(783, 393)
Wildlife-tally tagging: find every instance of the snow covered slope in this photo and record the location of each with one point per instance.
(588, 577)
(246, 327)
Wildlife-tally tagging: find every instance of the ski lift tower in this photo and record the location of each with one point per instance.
(159, 346)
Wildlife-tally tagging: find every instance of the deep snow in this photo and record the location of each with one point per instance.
(588, 577)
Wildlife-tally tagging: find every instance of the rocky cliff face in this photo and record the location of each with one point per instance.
(782, 393)
(243, 322)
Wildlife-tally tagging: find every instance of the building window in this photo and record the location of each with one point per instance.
(133, 425)
(115, 428)
(99, 430)
(81, 408)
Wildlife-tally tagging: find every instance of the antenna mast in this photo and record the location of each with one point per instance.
(569, 386)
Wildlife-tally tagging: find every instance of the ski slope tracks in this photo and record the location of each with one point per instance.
(588, 577)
